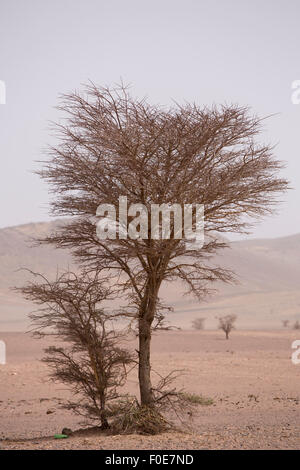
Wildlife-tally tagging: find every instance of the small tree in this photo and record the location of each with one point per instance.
(90, 361)
(296, 325)
(285, 323)
(198, 323)
(226, 324)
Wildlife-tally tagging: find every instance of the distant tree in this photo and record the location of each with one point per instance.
(90, 359)
(296, 325)
(112, 145)
(198, 323)
(226, 324)
(285, 323)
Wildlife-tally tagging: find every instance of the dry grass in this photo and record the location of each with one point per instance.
(195, 399)
(129, 417)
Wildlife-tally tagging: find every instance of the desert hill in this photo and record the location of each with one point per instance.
(268, 271)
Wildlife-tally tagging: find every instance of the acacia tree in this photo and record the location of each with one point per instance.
(296, 325)
(285, 323)
(226, 324)
(113, 145)
(90, 358)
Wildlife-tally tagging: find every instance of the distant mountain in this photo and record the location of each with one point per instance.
(268, 271)
(265, 264)
(18, 249)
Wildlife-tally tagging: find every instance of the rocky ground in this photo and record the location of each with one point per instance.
(253, 383)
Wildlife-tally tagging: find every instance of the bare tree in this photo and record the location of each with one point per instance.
(226, 324)
(285, 323)
(90, 358)
(112, 145)
(198, 323)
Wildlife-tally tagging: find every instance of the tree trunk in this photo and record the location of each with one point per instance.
(227, 334)
(147, 314)
(144, 362)
(104, 422)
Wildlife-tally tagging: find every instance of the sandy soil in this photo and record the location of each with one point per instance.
(250, 377)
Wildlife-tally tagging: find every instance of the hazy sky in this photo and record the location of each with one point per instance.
(245, 52)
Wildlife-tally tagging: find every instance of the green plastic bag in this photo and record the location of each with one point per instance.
(60, 436)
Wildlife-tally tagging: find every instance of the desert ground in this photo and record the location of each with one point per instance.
(254, 385)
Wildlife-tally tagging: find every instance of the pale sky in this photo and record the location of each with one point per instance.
(233, 51)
